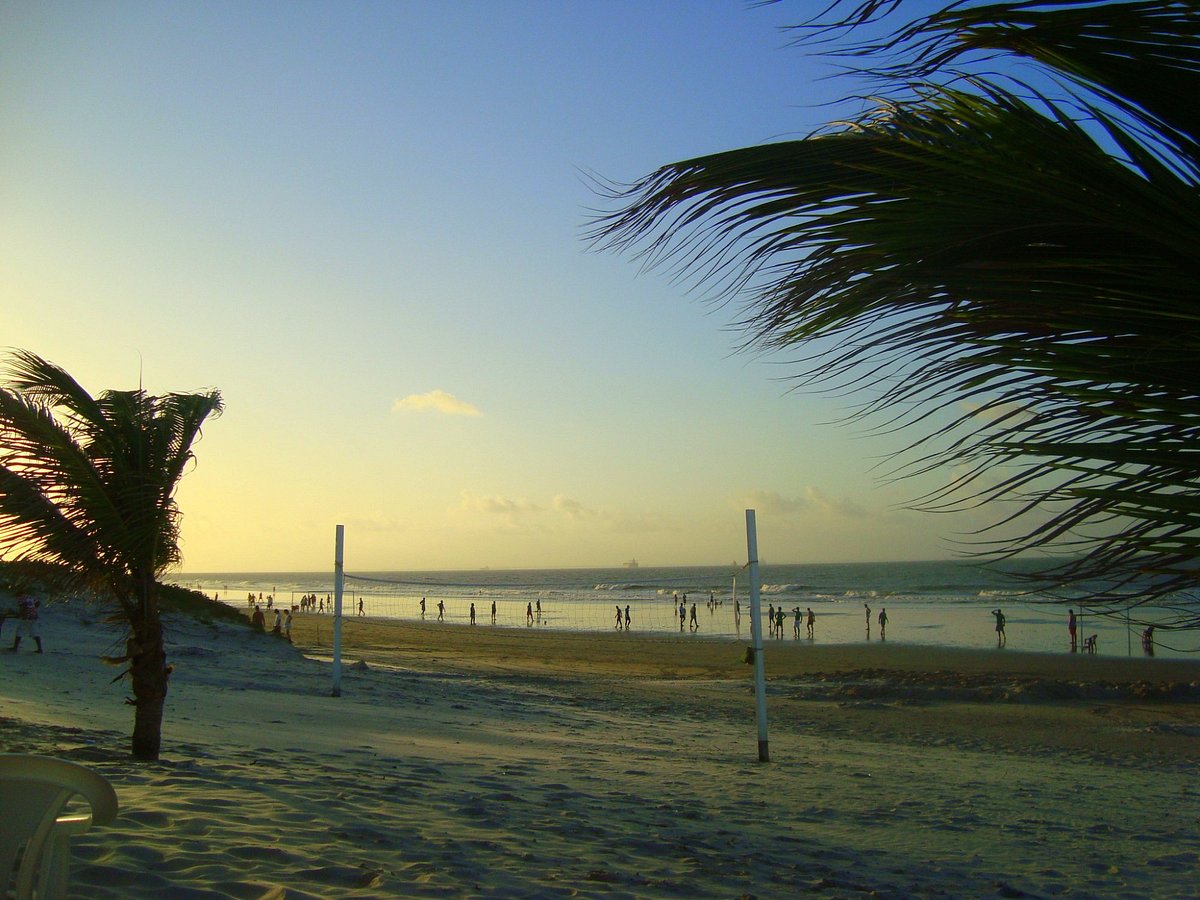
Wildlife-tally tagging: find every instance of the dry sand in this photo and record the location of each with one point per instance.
(523, 763)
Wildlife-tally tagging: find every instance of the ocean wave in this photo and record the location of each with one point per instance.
(868, 595)
(625, 586)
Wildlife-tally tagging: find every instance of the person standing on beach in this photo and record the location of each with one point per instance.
(529, 613)
(287, 626)
(422, 607)
(1071, 626)
(360, 607)
(626, 616)
(258, 619)
(27, 622)
(811, 620)
(472, 613)
(277, 628)
(694, 625)
(493, 612)
(796, 623)
(770, 620)
(619, 620)
(1001, 637)
(441, 611)
(883, 620)
(538, 610)
(682, 616)
(867, 608)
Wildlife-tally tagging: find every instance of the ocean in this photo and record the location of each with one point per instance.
(945, 603)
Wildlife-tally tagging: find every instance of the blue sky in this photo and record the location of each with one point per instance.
(343, 214)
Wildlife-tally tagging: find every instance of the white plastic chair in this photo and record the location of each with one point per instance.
(35, 857)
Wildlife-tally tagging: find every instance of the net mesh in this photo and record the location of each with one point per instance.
(534, 606)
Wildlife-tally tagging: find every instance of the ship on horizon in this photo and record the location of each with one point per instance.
(632, 564)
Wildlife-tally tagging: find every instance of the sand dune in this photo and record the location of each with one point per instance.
(474, 762)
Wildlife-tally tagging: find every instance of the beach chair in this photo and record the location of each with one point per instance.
(1089, 645)
(35, 826)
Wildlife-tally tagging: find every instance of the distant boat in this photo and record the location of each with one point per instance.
(632, 564)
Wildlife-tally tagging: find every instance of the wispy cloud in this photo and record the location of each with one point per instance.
(509, 508)
(775, 503)
(436, 401)
(813, 499)
(841, 506)
(562, 515)
(571, 508)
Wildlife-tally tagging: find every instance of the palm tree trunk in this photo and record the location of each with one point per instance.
(149, 672)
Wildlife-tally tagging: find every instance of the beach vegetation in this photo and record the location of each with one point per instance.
(87, 494)
(197, 605)
(996, 258)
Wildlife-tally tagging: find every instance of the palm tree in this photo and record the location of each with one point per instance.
(87, 485)
(969, 240)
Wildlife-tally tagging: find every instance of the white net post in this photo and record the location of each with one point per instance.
(760, 677)
(339, 578)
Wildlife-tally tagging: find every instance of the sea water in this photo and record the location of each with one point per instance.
(944, 603)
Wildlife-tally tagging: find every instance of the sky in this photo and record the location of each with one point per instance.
(365, 224)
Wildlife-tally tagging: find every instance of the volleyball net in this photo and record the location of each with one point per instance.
(649, 609)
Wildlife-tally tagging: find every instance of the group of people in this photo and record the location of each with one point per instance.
(1089, 643)
(441, 611)
(694, 624)
(282, 626)
(313, 603)
(776, 618)
(251, 601)
(882, 619)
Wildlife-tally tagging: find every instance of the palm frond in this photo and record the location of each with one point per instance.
(89, 482)
(974, 245)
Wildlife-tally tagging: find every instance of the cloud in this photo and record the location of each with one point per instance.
(813, 499)
(498, 506)
(504, 513)
(572, 508)
(436, 401)
(772, 502)
(841, 506)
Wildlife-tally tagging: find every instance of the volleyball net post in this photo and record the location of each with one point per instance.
(339, 578)
(760, 677)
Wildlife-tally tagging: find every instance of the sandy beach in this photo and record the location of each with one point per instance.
(480, 762)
